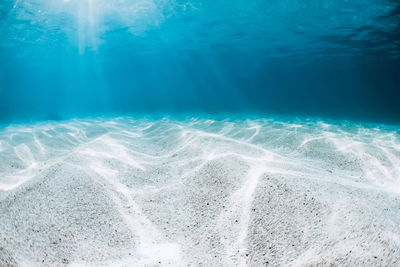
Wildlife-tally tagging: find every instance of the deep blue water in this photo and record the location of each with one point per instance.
(73, 58)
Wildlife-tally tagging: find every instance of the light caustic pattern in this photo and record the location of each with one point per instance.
(237, 192)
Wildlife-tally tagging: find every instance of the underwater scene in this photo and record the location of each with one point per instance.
(199, 133)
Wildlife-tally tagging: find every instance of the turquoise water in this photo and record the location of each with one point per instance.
(69, 58)
(199, 133)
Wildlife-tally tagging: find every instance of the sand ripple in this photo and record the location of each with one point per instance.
(126, 192)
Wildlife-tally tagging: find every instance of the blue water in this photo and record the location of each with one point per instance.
(199, 132)
(75, 58)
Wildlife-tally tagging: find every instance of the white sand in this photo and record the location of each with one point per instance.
(124, 192)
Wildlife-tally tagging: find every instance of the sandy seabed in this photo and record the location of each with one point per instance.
(198, 192)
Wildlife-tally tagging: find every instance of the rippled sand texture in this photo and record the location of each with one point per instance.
(126, 192)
